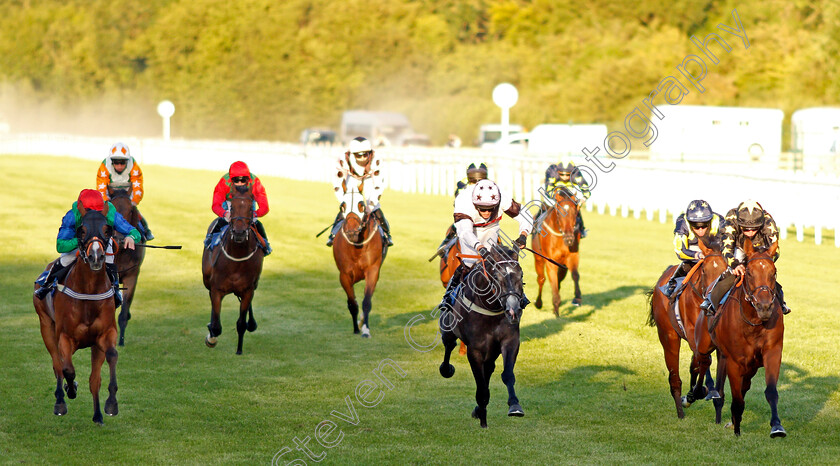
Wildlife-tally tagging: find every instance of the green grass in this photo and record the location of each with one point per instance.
(593, 382)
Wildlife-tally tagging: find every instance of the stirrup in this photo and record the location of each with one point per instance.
(42, 292)
(707, 307)
(785, 309)
(149, 235)
(330, 241)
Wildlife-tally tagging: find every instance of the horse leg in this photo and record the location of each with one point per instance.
(736, 380)
(720, 379)
(539, 263)
(699, 389)
(97, 357)
(130, 284)
(555, 276)
(449, 340)
(482, 392)
(215, 325)
(66, 348)
(772, 363)
(510, 349)
(352, 305)
(370, 285)
(48, 335)
(111, 406)
(572, 263)
(252, 323)
(670, 342)
(241, 325)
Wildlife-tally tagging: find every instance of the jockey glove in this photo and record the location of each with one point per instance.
(484, 252)
(521, 241)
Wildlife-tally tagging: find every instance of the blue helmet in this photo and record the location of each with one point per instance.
(698, 211)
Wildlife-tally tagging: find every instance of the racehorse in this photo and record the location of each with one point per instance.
(81, 315)
(560, 243)
(486, 316)
(234, 266)
(748, 331)
(358, 251)
(128, 261)
(675, 320)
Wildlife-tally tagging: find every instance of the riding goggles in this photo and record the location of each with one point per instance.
(698, 226)
(240, 179)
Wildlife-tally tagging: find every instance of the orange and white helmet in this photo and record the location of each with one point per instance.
(486, 195)
(119, 151)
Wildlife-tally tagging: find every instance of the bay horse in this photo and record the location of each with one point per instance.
(748, 331)
(358, 251)
(675, 320)
(234, 266)
(81, 315)
(558, 238)
(486, 316)
(128, 261)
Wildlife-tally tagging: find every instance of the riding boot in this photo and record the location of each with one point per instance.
(720, 287)
(218, 224)
(261, 230)
(334, 230)
(114, 276)
(48, 283)
(146, 231)
(579, 225)
(781, 296)
(384, 224)
(672, 282)
(448, 299)
(450, 233)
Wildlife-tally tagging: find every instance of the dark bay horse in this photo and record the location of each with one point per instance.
(675, 320)
(234, 266)
(748, 331)
(358, 251)
(561, 242)
(81, 315)
(128, 260)
(486, 317)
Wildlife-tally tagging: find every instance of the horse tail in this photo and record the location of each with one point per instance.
(651, 322)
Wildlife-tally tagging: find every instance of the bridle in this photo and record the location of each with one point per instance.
(562, 196)
(249, 221)
(358, 230)
(749, 295)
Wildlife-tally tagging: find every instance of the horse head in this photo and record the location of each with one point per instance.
(498, 283)
(566, 209)
(93, 234)
(121, 198)
(713, 263)
(760, 279)
(356, 216)
(241, 216)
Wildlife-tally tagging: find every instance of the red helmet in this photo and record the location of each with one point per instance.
(239, 169)
(91, 199)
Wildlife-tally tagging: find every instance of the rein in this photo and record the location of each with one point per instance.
(361, 227)
(237, 259)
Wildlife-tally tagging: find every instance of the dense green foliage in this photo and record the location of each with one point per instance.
(592, 382)
(266, 69)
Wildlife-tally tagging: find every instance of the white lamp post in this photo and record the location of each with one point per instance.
(166, 109)
(505, 96)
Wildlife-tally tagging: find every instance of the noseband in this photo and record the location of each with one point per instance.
(749, 295)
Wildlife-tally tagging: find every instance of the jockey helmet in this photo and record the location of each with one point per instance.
(239, 169)
(360, 147)
(750, 214)
(91, 199)
(566, 167)
(486, 194)
(119, 151)
(475, 173)
(698, 211)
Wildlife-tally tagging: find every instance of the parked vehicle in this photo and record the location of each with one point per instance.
(492, 133)
(383, 128)
(317, 136)
(816, 131)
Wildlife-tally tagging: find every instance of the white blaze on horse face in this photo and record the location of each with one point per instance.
(352, 200)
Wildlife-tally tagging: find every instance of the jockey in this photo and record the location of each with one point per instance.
(67, 243)
(747, 222)
(359, 165)
(697, 222)
(119, 170)
(565, 175)
(238, 178)
(477, 217)
(474, 175)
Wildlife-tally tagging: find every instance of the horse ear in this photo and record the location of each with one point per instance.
(748, 247)
(701, 242)
(82, 210)
(772, 250)
(105, 209)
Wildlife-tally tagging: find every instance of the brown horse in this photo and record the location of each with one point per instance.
(81, 315)
(358, 251)
(485, 316)
(128, 260)
(748, 332)
(558, 238)
(675, 320)
(234, 266)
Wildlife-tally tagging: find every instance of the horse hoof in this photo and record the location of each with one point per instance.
(121, 343)
(777, 431)
(685, 402)
(712, 395)
(475, 413)
(111, 409)
(365, 332)
(447, 371)
(210, 341)
(516, 410)
(97, 419)
(60, 409)
(729, 425)
(576, 302)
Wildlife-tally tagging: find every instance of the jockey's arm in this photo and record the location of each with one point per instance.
(514, 210)
(125, 228)
(66, 240)
(219, 198)
(102, 180)
(339, 184)
(681, 247)
(466, 232)
(261, 198)
(136, 178)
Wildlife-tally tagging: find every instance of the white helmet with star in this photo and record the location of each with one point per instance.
(486, 194)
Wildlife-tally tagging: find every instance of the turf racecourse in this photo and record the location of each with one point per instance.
(593, 382)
